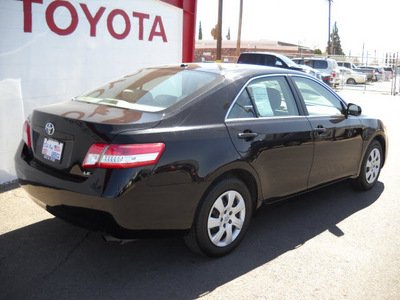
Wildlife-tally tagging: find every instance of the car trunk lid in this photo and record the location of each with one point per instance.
(61, 134)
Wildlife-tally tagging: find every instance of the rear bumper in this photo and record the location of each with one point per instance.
(101, 221)
(127, 208)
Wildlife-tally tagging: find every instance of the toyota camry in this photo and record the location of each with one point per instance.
(194, 149)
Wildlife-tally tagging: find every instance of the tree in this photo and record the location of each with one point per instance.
(317, 51)
(214, 32)
(200, 32)
(228, 36)
(336, 47)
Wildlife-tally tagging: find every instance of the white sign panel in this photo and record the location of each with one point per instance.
(55, 50)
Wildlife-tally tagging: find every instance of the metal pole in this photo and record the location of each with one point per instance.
(219, 34)
(362, 58)
(394, 79)
(396, 69)
(240, 29)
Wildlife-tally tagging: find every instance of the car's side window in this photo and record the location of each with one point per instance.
(272, 97)
(243, 107)
(265, 97)
(318, 99)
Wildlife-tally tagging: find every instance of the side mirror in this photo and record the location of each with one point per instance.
(353, 109)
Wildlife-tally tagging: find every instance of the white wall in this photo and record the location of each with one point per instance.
(51, 51)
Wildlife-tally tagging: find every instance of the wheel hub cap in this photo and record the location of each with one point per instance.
(226, 218)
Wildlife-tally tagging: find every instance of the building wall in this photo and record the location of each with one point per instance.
(51, 51)
(228, 53)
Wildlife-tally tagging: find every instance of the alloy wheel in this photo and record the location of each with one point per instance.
(373, 165)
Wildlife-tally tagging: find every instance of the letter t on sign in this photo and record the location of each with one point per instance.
(27, 5)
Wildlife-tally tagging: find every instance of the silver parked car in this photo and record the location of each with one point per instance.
(352, 77)
(324, 65)
(388, 73)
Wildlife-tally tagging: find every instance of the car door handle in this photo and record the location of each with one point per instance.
(247, 135)
(320, 129)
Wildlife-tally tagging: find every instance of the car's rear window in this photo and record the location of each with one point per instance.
(265, 60)
(313, 63)
(152, 90)
(319, 64)
(257, 59)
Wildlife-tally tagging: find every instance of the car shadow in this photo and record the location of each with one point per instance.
(52, 259)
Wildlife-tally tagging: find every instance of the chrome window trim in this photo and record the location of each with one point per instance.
(265, 118)
(332, 116)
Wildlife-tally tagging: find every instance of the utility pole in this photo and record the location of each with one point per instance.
(219, 31)
(240, 29)
(329, 29)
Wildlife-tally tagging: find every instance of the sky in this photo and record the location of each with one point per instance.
(372, 24)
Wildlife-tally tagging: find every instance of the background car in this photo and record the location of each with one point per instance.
(194, 149)
(378, 74)
(324, 65)
(388, 73)
(347, 64)
(352, 77)
(276, 60)
(370, 72)
(267, 59)
(315, 73)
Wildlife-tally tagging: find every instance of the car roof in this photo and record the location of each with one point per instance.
(313, 58)
(241, 70)
(264, 53)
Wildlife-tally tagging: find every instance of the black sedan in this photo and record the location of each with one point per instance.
(194, 149)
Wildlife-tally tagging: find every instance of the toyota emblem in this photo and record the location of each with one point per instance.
(49, 128)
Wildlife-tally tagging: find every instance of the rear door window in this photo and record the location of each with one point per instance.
(265, 97)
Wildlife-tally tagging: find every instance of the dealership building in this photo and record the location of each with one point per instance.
(51, 51)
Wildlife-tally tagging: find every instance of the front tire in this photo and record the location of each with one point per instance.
(351, 81)
(371, 168)
(222, 220)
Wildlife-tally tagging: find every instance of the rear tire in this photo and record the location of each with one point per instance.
(222, 220)
(371, 167)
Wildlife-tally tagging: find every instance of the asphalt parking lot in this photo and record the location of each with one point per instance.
(334, 243)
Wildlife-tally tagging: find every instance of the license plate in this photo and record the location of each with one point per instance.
(52, 149)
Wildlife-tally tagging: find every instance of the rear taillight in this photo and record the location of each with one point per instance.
(333, 74)
(26, 134)
(113, 156)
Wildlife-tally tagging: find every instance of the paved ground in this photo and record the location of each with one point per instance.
(331, 244)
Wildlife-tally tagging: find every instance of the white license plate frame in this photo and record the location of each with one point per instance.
(52, 149)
